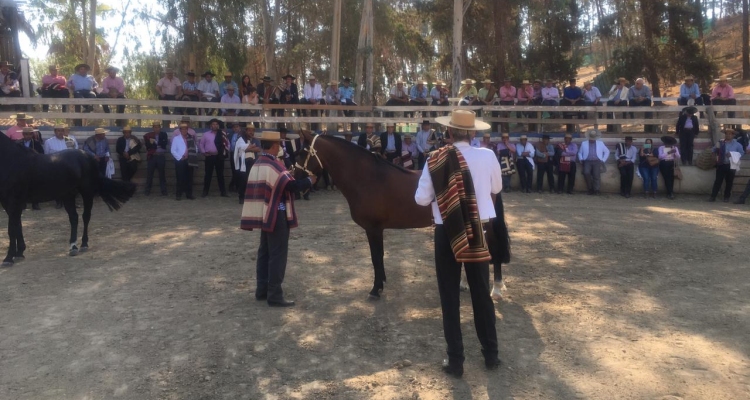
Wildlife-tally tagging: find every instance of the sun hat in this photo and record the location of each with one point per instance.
(270, 136)
(463, 119)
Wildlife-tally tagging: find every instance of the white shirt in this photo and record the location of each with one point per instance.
(485, 172)
(550, 93)
(520, 149)
(178, 148)
(208, 87)
(313, 93)
(422, 138)
(631, 153)
(476, 142)
(602, 152)
(54, 145)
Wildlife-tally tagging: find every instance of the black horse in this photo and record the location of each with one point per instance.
(26, 176)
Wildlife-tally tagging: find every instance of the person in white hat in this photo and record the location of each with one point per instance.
(439, 94)
(418, 94)
(482, 179)
(467, 92)
(690, 91)
(397, 96)
(593, 153)
(313, 95)
(98, 147)
(60, 141)
(82, 84)
(332, 93)
(113, 87)
(228, 81)
(269, 207)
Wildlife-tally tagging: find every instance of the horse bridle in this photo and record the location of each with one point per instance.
(311, 152)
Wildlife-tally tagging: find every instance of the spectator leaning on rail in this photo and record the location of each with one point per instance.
(313, 96)
(190, 92)
(640, 96)
(113, 87)
(690, 91)
(83, 85)
(209, 90)
(170, 89)
(54, 86)
(723, 95)
(229, 98)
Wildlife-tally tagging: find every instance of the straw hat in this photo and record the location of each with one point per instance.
(28, 129)
(468, 82)
(505, 134)
(487, 81)
(127, 128)
(486, 136)
(569, 135)
(100, 131)
(156, 123)
(668, 140)
(523, 137)
(270, 136)
(592, 134)
(311, 78)
(60, 126)
(689, 78)
(170, 71)
(463, 119)
(621, 80)
(438, 83)
(407, 137)
(333, 83)
(185, 118)
(22, 116)
(184, 125)
(525, 82)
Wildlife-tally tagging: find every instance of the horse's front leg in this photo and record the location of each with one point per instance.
(88, 203)
(375, 238)
(8, 261)
(70, 208)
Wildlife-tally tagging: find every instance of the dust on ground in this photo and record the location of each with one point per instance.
(608, 299)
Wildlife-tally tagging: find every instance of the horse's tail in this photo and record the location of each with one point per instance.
(115, 193)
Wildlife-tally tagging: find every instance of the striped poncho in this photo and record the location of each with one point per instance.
(265, 187)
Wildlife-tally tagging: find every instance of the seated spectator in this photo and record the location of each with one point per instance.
(640, 96)
(525, 94)
(439, 94)
(113, 87)
(346, 96)
(15, 132)
(170, 89)
(618, 97)
(507, 97)
(60, 141)
(98, 147)
(209, 90)
(9, 85)
(289, 92)
(251, 98)
(572, 96)
(591, 94)
(227, 82)
(245, 85)
(332, 94)
(128, 148)
(269, 94)
(467, 93)
(54, 86)
(83, 85)
(391, 143)
(550, 94)
(409, 153)
(190, 92)
(487, 95)
(313, 96)
(397, 96)
(418, 94)
(723, 95)
(30, 140)
(537, 87)
(690, 90)
(229, 98)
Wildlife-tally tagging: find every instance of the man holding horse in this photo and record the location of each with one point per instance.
(459, 183)
(269, 206)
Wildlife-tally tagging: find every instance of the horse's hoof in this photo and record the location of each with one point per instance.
(83, 249)
(373, 297)
(19, 258)
(73, 251)
(7, 263)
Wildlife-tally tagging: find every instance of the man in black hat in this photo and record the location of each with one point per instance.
(190, 92)
(214, 145)
(209, 89)
(267, 94)
(543, 159)
(687, 130)
(725, 164)
(626, 155)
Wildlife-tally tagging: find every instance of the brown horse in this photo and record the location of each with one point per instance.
(380, 194)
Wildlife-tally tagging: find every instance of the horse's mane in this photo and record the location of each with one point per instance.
(366, 153)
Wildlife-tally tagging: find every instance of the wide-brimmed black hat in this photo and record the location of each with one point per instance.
(628, 138)
(426, 122)
(218, 121)
(286, 76)
(546, 137)
(347, 79)
(208, 73)
(690, 110)
(88, 67)
(267, 78)
(191, 73)
(669, 140)
(283, 130)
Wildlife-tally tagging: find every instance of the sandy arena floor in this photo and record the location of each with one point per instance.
(608, 299)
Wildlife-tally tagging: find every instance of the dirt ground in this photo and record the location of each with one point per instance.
(608, 299)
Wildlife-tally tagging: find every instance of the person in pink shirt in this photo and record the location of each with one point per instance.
(15, 132)
(113, 87)
(507, 95)
(723, 95)
(54, 86)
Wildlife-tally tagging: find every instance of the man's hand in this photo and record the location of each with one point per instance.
(313, 179)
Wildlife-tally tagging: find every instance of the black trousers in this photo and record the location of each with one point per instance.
(169, 97)
(214, 163)
(394, 103)
(686, 147)
(666, 168)
(570, 114)
(571, 179)
(313, 113)
(448, 272)
(120, 108)
(156, 162)
(611, 103)
(102, 167)
(727, 102)
(723, 174)
(241, 178)
(184, 174)
(541, 169)
(128, 169)
(525, 173)
(55, 94)
(649, 115)
(272, 255)
(627, 173)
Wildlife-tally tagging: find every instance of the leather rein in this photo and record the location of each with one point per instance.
(311, 152)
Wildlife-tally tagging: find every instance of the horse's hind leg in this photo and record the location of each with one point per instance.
(12, 216)
(70, 208)
(375, 238)
(88, 202)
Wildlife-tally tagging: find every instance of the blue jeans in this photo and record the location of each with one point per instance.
(649, 175)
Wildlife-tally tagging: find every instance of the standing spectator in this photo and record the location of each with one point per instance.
(392, 146)
(82, 84)
(728, 153)
(566, 153)
(98, 147)
(31, 142)
(170, 89)
(690, 90)
(332, 93)
(525, 163)
(649, 168)
(313, 96)
(626, 155)
(506, 152)
(593, 153)
(15, 132)
(60, 141)
(423, 147)
(214, 145)
(186, 120)
(113, 87)
(190, 92)
(209, 90)
(128, 148)
(234, 136)
(223, 86)
(668, 154)
(543, 159)
(156, 143)
(723, 95)
(687, 129)
(618, 97)
(229, 98)
(746, 193)
(572, 96)
(640, 96)
(185, 160)
(54, 86)
(245, 152)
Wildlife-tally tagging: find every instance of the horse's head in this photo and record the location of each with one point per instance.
(308, 162)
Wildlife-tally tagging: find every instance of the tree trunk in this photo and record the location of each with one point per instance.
(650, 34)
(745, 41)
(500, 19)
(363, 90)
(370, 44)
(91, 59)
(458, 25)
(335, 41)
(270, 26)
